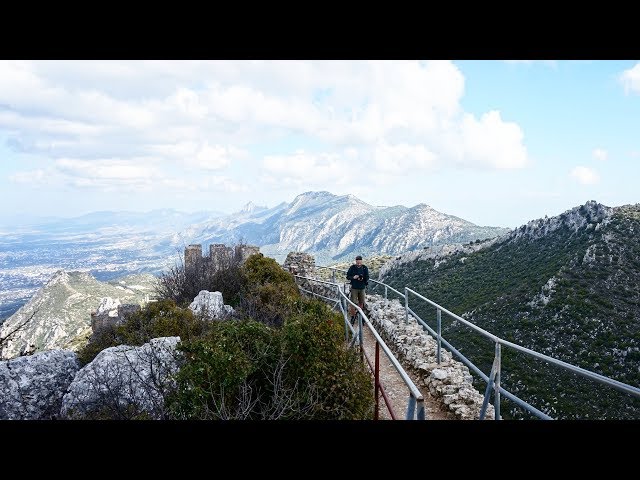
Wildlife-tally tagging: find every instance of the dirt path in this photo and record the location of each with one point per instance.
(397, 391)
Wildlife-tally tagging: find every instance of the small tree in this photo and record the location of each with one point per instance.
(182, 284)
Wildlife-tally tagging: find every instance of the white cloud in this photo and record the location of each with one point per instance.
(600, 154)
(585, 175)
(33, 177)
(630, 79)
(301, 168)
(110, 175)
(492, 142)
(387, 116)
(402, 158)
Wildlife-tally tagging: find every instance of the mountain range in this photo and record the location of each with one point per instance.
(113, 244)
(567, 286)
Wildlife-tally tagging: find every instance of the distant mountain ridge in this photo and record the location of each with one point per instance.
(335, 227)
(567, 286)
(111, 244)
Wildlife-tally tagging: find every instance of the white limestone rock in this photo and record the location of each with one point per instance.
(210, 305)
(124, 382)
(31, 388)
(109, 306)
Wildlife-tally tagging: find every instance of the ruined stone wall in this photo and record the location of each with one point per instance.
(449, 381)
(192, 255)
(243, 252)
(103, 320)
(220, 256)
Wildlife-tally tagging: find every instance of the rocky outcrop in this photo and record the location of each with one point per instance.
(31, 388)
(449, 381)
(210, 305)
(58, 315)
(124, 382)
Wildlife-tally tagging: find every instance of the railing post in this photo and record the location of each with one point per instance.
(333, 276)
(377, 381)
(496, 384)
(421, 414)
(386, 300)
(439, 333)
(487, 392)
(411, 407)
(360, 334)
(406, 305)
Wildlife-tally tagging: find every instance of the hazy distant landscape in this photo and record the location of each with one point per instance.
(113, 244)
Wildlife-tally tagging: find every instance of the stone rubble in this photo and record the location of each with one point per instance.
(450, 381)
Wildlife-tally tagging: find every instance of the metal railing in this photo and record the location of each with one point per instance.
(415, 402)
(493, 379)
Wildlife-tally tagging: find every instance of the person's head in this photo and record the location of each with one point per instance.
(358, 260)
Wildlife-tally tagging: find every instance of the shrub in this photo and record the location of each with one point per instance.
(243, 369)
(157, 319)
(314, 338)
(227, 374)
(269, 292)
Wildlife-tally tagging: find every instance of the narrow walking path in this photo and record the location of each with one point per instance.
(397, 391)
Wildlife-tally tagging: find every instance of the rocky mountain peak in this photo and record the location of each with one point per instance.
(576, 218)
(251, 208)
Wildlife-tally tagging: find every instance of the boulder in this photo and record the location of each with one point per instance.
(124, 382)
(31, 388)
(210, 305)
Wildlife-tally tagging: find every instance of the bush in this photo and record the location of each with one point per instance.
(248, 370)
(269, 292)
(157, 319)
(314, 338)
(227, 374)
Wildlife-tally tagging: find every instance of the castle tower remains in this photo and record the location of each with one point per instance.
(220, 256)
(192, 255)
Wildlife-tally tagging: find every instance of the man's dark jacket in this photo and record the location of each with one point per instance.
(361, 270)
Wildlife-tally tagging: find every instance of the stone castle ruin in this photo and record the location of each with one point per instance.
(300, 263)
(220, 256)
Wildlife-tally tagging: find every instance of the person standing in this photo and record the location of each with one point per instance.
(358, 275)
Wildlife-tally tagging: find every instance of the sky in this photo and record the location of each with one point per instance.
(495, 142)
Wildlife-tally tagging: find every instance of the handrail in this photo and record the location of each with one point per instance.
(371, 279)
(494, 378)
(415, 394)
(568, 366)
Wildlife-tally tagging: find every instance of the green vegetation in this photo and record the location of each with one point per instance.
(588, 315)
(282, 357)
